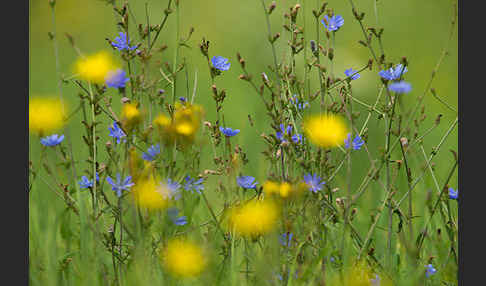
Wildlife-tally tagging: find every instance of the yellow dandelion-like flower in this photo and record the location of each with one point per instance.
(149, 193)
(326, 131)
(361, 275)
(284, 190)
(95, 68)
(131, 115)
(183, 258)
(271, 187)
(46, 115)
(254, 218)
(162, 120)
(184, 125)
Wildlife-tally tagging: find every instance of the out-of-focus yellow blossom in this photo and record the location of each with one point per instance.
(131, 115)
(326, 131)
(149, 193)
(256, 217)
(361, 275)
(96, 67)
(162, 121)
(136, 165)
(271, 187)
(46, 115)
(284, 189)
(183, 258)
(184, 125)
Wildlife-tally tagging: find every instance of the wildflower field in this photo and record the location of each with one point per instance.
(222, 142)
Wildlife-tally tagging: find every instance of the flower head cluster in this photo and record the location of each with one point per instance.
(173, 214)
(326, 131)
(116, 132)
(357, 142)
(400, 87)
(120, 185)
(285, 239)
(183, 258)
(393, 73)
(192, 185)
(122, 42)
(430, 270)
(314, 182)
(333, 23)
(254, 218)
(453, 195)
(246, 182)
(352, 73)
(228, 132)
(300, 105)
(287, 131)
(152, 151)
(46, 115)
(116, 78)
(220, 63)
(52, 140)
(95, 68)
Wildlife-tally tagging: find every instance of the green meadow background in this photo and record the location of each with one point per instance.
(416, 29)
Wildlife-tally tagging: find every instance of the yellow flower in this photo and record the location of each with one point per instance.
(284, 189)
(96, 67)
(149, 193)
(46, 115)
(183, 258)
(184, 125)
(326, 131)
(254, 218)
(360, 275)
(162, 120)
(131, 115)
(184, 128)
(271, 187)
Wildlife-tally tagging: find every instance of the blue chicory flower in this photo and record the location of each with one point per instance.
(228, 131)
(453, 195)
(153, 151)
(400, 87)
(192, 185)
(246, 182)
(52, 140)
(119, 186)
(430, 270)
(122, 42)
(173, 214)
(183, 99)
(283, 131)
(116, 132)
(352, 73)
(393, 73)
(314, 182)
(116, 79)
(220, 63)
(285, 239)
(173, 190)
(300, 105)
(333, 23)
(357, 142)
(85, 183)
